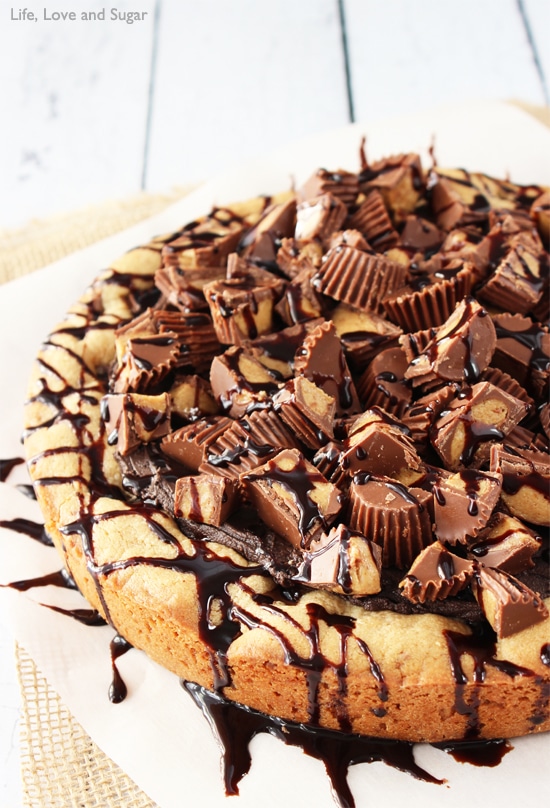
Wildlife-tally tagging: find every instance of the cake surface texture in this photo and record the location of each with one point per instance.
(298, 452)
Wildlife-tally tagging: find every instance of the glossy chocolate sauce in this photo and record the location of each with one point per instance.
(235, 726)
(7, 465)
(34, 530)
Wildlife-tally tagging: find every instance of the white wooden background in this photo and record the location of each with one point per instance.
(95, 110)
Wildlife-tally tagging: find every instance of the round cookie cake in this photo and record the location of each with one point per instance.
(298, 451)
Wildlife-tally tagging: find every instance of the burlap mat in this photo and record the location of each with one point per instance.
(61, 766)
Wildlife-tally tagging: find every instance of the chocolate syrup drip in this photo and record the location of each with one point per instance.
(117, 689)
(235, 726)
(7, 465)
(60, 578)
(34, 530)
(476, 753)
(27, 490)
(480, 646)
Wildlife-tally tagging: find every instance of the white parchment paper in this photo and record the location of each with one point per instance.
(157, 735)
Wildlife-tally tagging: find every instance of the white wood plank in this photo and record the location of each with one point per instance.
(407, 56)
(238, 78)
(77, 94)
(538, 16)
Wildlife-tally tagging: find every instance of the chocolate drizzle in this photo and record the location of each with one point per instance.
(236, 725)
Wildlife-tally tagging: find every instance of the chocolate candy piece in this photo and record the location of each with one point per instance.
(508, 605)
(133, 418)
(540, 212)
(342, 184)
(293, 497)
(240, 382)
(463, 503)
(428, 301)
(276, 351)
(343, 561)
(455, 200)
(372, 219)
(205, 498)
(261, 242)
(461, 349)
(307, 410)
(188, 444)
(436, 574)
(362, 333)
(476, 417)
(378, 444)
(295, 256)
(247, 443)
(321, 360)
(182, 288)
(525, 482)
(517, 283)
(392, 515)
(506, 544)
(349, 238)
(399, 179)
(420, 417)
(300, 302)
(383, 383)
(420, 235)
(242, 305)
(523, 351)
(355, 277)
(318, 218)
(191, 397)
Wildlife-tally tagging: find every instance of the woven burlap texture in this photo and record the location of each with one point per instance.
(61, 767)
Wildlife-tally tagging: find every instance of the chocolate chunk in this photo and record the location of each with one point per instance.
(362, 333)
(300, 302)
(183, 288)
(383, 383)
(307, 410)
(463, 504)
(392, 515)
(293, 497)
(428, 301)
(378, 444)
(191, 398)
(318, 218)
(455, 200)
(205, 498)
(349, 238)
(523, 351)
(436, 574)
(321, 360)
(196, 337)
(400, 181)
(276, 351)
(506, 544)
(342, 184)
(242, 305)
(525, 482)
(295, 256)
(358, 278)
(343, 561)
(508, 605)
(240, 382)
(188, 444)
(132, 419)
(477, 417)
(461, 349)
(247, 443)
(421, 235)
(261, 243)
(517, 283)
(420, 417)
(540, 212)
(372, 219)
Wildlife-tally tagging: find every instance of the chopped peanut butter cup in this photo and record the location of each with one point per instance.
(371, 218)
(463, 504)
(525, 482)
(205, 498)
(436, 574)
(508, 605)
(132, 419)
(393, 516)
(293, 497)
(507, 544)
(383, 383)
(358, 278)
